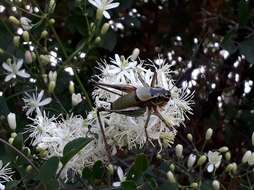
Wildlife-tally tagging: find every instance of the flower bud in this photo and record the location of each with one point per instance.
(172, 167)
(52, 75)
(28, 57)
(71, 87)
(76, 99)
(44, 59)
(251, 159)
(26, 23)
(158, 156)
(51, 86)
(14, 20)
(98, 40)
(105, 28)
(234, 168)
(171, 177)
(99, 14)
(29, 169)
(228, 156)
(1, 51)
(11, 118)
(179, 151)
(13, 134)
(44, 34)
(246, 156)
(16, 41)
(209, 134)
(33, 56)
(194, 185)
(52, 6)
(190, 137)
(135, 54)
(223, 149)
(26, 36)
(45, 78)
(10, 140)
(252, 139)
(216, 185)
(52, 21)
(110, 169)
(191, 160)
(229, 168)
(43, 153)
(201, 160)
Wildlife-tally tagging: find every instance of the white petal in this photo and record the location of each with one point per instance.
(40, 95)
(19, 64)
(23, 74)
(93, 3)
(7, 67)
(9, 77)
(45, 101)
(210, 168)
(120, 173)
(116, 184)
(112, 5)
(106, 14)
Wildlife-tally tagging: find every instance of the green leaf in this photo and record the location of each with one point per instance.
(168, 186)
(151, 181)
(12, 184)
(73, 147)
(98, 170)
(18, 141)
(207, 185)
(243, 12)
(48, 170)
(139, 167)
(128, 185)
(247, 49)
(87, 174)
(4, 109)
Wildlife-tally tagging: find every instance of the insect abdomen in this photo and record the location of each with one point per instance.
(126, 101)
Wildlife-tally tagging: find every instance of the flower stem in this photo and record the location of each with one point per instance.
(21, 154)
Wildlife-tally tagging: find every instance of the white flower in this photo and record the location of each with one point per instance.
(214, 159)
(26, 23)
(11, 118)
(120, 176)
(34, 102)
(104, 5)
(128, 131)
(13, 70)
(76, 99)
(51, 134)
(5, 172)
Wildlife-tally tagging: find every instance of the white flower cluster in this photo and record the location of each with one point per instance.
(126, 131)
(50, 135)
(5, 174)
